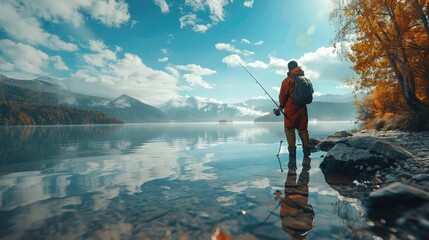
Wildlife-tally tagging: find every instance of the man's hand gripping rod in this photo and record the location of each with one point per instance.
(281, 110)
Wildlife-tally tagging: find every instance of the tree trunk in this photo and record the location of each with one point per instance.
(423, 16)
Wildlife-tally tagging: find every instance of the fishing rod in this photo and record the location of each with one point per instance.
(281, 110)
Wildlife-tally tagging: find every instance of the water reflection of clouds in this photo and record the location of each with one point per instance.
(243, 186)
(195, 170)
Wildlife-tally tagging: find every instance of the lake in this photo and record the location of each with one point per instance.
(165, 181)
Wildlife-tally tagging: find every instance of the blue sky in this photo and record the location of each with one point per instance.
(155, 50)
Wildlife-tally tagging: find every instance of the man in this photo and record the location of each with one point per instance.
(296, 116)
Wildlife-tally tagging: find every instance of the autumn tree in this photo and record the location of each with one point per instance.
(388, 43)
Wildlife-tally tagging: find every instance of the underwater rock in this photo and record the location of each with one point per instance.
(395, 194)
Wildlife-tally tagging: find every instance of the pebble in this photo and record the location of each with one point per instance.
(421, 177)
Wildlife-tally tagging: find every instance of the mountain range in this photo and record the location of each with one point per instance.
(53, 92)
(45, 91)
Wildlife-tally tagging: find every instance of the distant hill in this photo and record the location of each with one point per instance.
(46, 92)
(130, 110)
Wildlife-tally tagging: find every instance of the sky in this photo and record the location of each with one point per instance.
(156, 50)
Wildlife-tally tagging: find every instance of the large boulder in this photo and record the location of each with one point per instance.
(361, 156)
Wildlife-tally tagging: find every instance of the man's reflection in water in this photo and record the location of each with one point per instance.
(296, 214)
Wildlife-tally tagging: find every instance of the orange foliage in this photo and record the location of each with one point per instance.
(390, 52)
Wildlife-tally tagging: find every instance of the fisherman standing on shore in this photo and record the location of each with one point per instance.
(296, 116)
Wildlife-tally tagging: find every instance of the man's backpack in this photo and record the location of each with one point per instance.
(302, 90)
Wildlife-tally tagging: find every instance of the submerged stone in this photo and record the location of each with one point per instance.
(396, 194)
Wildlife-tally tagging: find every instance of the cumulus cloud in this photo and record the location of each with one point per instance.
(19, 57)
(195, 73)
(101, 54)
(322, 64)
(163, 59)
(257, 64)
(110, 75)
(112, 13)
(233, 60)
(197, 24)
(23, 20)
(192, 21)
(27, 28)
(58, 63)
(230, 48)
(163, 5)
(196, 80)
(248, 4)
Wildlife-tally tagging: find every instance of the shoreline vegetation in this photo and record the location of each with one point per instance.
(32, 114)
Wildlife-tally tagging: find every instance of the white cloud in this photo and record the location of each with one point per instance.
(110, 12)
(257, 64)
(163, 59)
(5, 65)
(245, 41)
(170, 38)
(96, 45)
(277, 89)
(259, 42)
(216, 9)
(322, 64)
(191, 20)
(23, 58)
(163, 5)
(195, 75)
(196, 80)
(230, 48)
(133, 23)
(58, 63)
(28, 29)
(101, 56)
(248, 4)
(317, 94)
(233, 60)
(197, 5)
(197, 24)
(197, 69)
(23, 20)
(127, 75)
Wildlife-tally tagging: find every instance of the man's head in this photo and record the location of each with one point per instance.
(292, 64)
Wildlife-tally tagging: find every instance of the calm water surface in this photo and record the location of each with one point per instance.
(164, 181)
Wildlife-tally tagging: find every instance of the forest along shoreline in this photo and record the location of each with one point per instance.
(387, 170)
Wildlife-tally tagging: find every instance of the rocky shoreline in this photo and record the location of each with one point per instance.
(388, 171)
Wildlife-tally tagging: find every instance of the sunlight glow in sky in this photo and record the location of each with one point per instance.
(155, 50)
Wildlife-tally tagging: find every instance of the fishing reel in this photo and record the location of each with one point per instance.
(276, 112)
